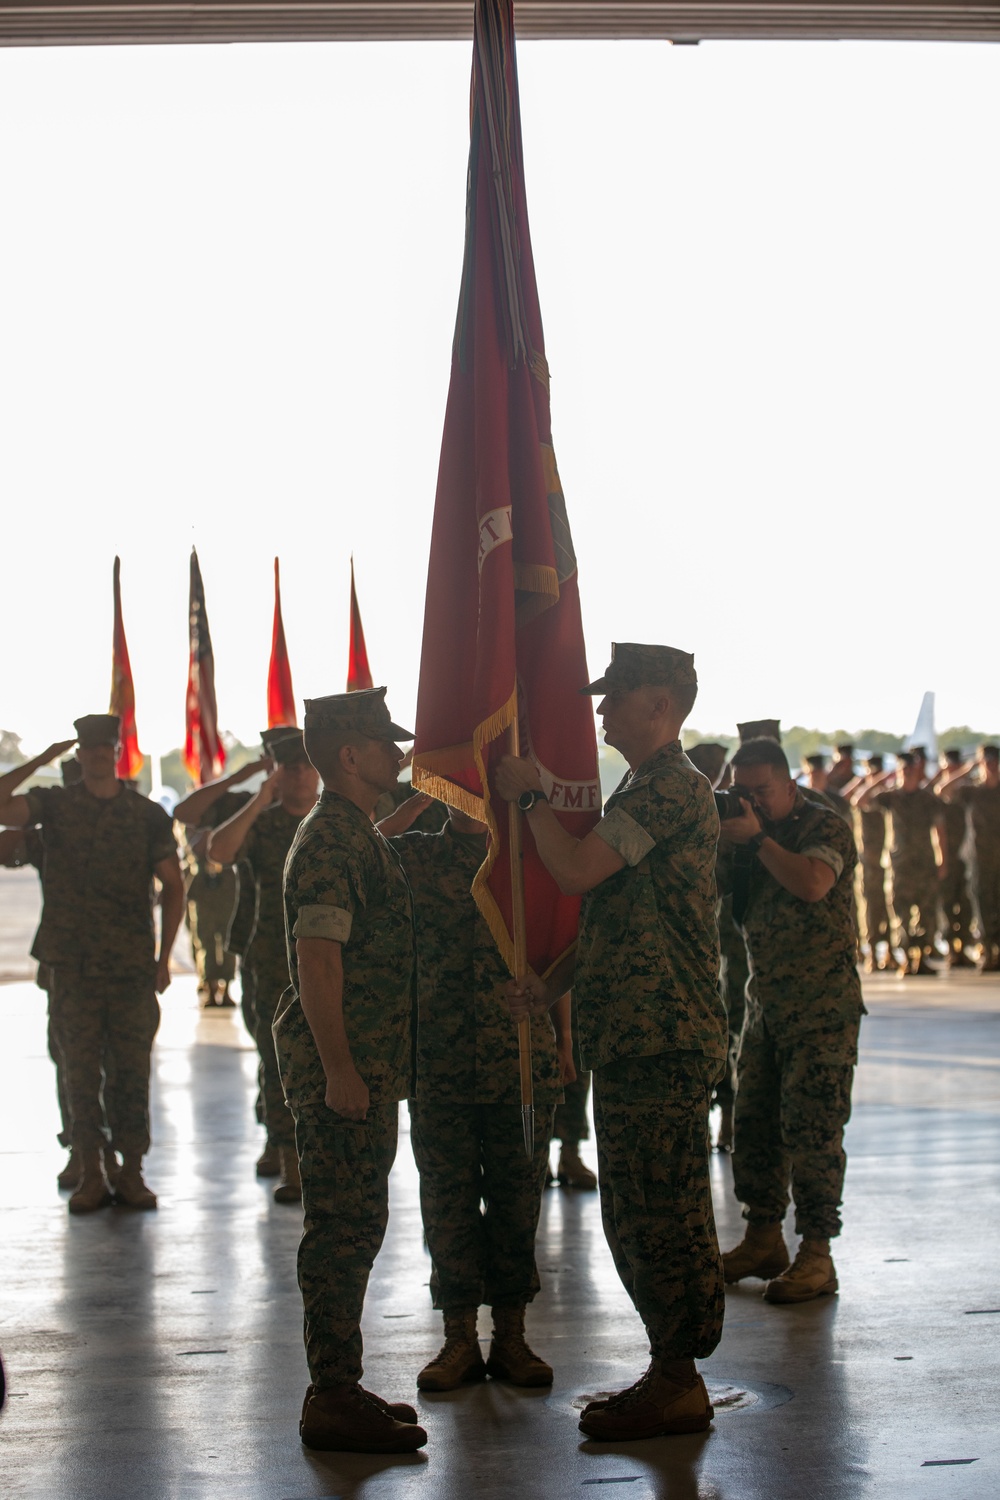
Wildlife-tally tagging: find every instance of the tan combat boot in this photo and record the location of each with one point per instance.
(289, 1189)
(71, 1173)
(346, 1419)
(812, 1274)
(670, 1398)
(459, 1361)
(92, 1192)
(510, 1357)
(762, 1253)
(269, 1162)
(130, 1189)
(572, 1172)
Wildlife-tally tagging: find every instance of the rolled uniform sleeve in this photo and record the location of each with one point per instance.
(828, 855)
(330, 922)
(625, 836)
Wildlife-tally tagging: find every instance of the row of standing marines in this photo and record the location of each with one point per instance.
(382, 931)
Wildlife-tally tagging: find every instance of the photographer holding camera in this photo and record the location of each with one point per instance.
(793, 891)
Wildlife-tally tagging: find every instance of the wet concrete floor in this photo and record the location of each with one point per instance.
(159, 1355)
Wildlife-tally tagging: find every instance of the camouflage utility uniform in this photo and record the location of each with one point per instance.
(262, 856)
(800, 1037)
(914, 885)
(96, 937)
(983, 803)
(466, 1126)
(873, 901)
(954, 899)
(344, 883)
(244, 916)
(653, 1029)
(210, 891)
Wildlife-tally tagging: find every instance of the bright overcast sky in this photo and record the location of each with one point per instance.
(768, 275)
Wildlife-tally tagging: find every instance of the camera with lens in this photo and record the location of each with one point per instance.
(729, 804)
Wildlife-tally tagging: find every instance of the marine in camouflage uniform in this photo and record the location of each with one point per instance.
(652, 1026)
(466, 1127)
(210, 891)
(982, 799)
(954, 898)
(915, 813)
(799, 1044)
(870, 829)
(343, 1036)
(257, 839)
(102, 845)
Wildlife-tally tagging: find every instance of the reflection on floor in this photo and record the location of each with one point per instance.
(159, 1355)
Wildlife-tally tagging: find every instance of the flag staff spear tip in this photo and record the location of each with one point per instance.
(520, 953)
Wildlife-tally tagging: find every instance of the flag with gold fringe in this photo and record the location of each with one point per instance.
(130, 758)
(280, 698)
(503, 639)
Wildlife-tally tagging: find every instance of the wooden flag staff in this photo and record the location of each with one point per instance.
(520, 953)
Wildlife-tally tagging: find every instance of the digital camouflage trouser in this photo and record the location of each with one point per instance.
(988, 898)
(269, 983)
(345, 1200)
(956, 905)
(734, 971)
(651, 1119)
(792, 1102)
(470, 1155)
(104, 1030)
(873, 903)
(211, 902)
(570, 1123)
(913, 902)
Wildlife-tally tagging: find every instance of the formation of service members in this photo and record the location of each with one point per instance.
(397, 991)
(102, 845)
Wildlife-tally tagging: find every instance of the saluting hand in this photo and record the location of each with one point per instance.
(262, 763)
(53, 751)
(268, 790)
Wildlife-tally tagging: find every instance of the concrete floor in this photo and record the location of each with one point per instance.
(159, 1355)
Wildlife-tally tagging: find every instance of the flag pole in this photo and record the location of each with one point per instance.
(520, 953)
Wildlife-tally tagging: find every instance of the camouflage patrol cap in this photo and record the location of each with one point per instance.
(364, 711)
(954, 757)
(98, 729)
(760, 729)
(845, 750)
(635, 666)
(709, 759)
(815, 762)
(70, 770)
(284, 744)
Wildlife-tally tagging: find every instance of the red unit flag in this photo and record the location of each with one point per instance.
(131, 758)
(359, 673)
(204, 752)
(503, 639)
(280, 698)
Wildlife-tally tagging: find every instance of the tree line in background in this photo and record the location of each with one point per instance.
(798, 742)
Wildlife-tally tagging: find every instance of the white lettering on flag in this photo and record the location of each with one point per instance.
(494, 530)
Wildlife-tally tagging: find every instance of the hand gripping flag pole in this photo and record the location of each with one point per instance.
(503, 659)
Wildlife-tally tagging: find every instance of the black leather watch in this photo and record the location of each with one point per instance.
(754, 844)
(527, 800)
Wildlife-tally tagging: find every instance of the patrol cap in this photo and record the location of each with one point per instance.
(98, 729)
(364, 711)
(760, 729)
(815, 762)
(70, 770)
(954, 757)
(876, 761)
(845, 750)
(920, 751)
(709, 759)
(635, 666)
(284, 744)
